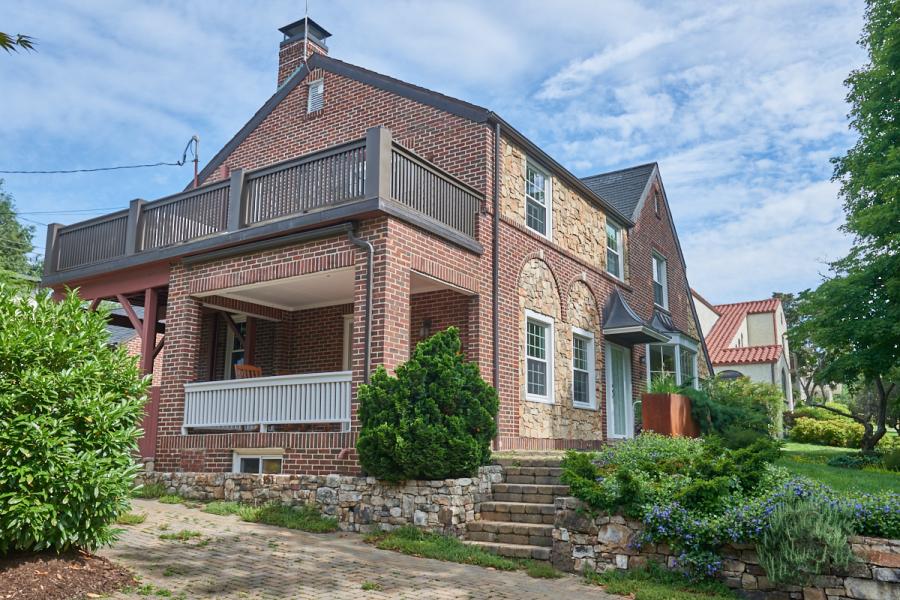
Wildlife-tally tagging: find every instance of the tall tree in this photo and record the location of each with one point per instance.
(15, 239)
(806, 358)
(854, 316)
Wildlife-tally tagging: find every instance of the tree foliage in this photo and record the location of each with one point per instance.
(433, 420)
(69, 411)
(854, 316)
(12, 43)
(15, 239)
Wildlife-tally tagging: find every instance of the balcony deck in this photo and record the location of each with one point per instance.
(348, 181)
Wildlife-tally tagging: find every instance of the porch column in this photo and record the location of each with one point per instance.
(181, 358)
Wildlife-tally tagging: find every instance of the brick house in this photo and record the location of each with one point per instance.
(353, 215)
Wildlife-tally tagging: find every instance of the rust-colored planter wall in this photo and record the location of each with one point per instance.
(668, 414)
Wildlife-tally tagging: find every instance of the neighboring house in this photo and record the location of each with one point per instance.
(750, 339)
(356, 214)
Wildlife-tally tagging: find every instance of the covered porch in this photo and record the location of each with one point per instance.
(285, 355)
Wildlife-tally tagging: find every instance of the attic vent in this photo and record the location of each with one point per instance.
(316, 99)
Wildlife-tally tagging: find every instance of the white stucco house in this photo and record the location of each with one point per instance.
(748, 338)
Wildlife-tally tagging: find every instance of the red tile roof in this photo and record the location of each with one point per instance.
(732, 315)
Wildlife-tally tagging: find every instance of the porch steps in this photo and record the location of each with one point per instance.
(518, 521)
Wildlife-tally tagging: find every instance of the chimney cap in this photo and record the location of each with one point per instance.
(297, 29)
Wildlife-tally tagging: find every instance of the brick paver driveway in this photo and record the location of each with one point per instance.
(234, 559)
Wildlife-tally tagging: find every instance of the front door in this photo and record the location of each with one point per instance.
(619, 409)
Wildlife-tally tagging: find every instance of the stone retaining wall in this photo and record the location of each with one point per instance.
(581, 543)
(359, 503)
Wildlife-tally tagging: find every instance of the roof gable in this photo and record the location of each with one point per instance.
(723, 332)
(625, 189)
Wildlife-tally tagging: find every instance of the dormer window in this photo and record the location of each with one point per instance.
(538, 200)
(316, 98)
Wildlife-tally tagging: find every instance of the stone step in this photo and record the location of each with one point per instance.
(518, 512)
(528, 462)
(528, 492)
(532, 479)
(531, 534)
(514, 550)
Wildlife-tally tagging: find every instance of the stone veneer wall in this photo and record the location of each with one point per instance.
(582, 542)
(359, 503)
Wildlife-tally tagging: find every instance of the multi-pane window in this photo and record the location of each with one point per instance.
(538, 210)
(258, 464)
(539, 357)
(234, 349)
(677, 361)
(660, 287)
(614, 261)
(662, 361)
(583, 369)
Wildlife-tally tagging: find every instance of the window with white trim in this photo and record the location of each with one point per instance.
(677, 359)
(538, 357)
(660, 281)
(259, 464)
(614, 251)
(584, 387)
(315, 100)
(538, 200)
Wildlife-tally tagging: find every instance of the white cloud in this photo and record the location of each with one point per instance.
(742, 105)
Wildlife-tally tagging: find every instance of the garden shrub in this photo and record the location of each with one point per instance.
(70, 406)
(803, 539)
(433, 420)
(891, 460)
(724, 406)
(840, 432)
(855, 461)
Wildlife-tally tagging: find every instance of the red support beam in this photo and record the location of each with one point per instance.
(132, 316)
(148, 334)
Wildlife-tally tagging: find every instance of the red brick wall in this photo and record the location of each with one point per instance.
(317, 344)
(442, 308)
(133, 347)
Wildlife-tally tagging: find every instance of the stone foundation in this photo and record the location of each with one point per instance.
(359, 503)
(582, 542)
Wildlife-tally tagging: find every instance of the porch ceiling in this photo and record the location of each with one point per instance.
(296, 293)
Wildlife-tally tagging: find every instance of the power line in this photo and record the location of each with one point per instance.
(191, 145)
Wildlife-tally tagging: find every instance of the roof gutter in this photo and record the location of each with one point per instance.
(564, 174)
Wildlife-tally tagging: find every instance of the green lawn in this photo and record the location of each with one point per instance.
(809, 460)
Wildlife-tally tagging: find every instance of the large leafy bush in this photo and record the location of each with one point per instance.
(433, 420)
(840, 432)
(69, 409)
(726, 406)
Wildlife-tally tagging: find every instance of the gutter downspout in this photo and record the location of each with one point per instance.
(370, 252)
(495, 274)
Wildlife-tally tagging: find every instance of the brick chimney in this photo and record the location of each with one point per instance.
(290, 54)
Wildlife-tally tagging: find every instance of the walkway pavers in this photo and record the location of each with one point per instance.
(234, 559)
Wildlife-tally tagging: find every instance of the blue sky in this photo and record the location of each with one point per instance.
(741, 105)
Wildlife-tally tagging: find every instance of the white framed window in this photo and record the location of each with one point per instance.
(615, 264)
(234, 349)
(677, 359)
(538, 357)
(259, 462)
(584, 369)
(619, 405)
(538, 200)
(660, 281)
(315, 100)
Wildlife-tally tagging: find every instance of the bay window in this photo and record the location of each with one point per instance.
(676, 359)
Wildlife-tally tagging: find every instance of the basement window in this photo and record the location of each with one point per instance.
(256, 463)
(316, 98)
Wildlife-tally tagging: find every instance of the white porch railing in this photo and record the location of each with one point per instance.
(262, 401)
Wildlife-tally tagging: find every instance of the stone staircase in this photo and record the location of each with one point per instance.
(518, 522)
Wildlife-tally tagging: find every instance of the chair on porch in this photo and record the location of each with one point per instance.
(247, 372)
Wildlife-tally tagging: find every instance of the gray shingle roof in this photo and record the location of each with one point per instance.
(623, 188)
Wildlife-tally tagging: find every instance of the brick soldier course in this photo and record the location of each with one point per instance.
(423, 278)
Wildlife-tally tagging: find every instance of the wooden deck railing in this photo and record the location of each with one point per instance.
(263, 401)
(375, 167)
